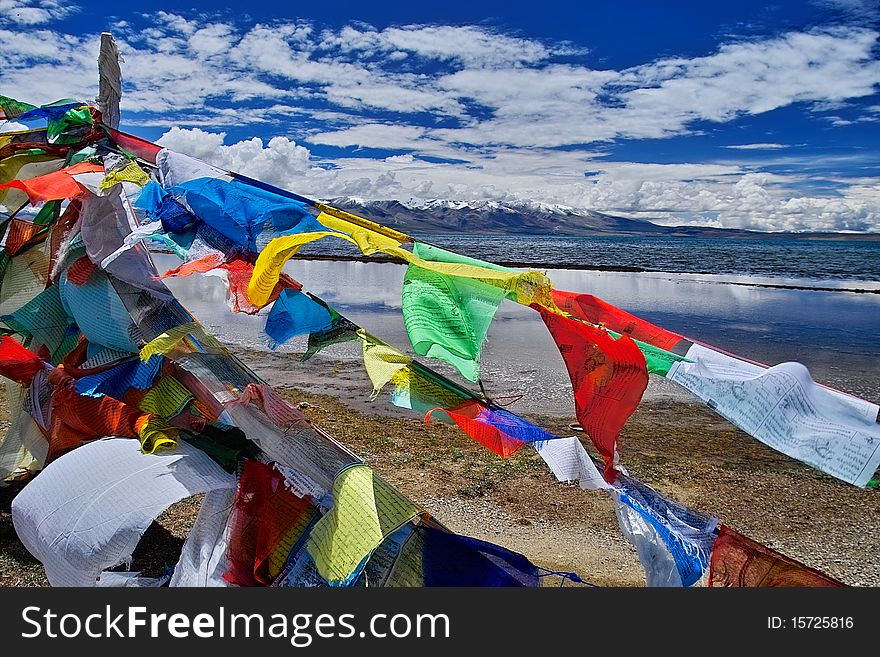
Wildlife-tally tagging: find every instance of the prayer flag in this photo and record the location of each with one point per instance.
(52, 186)
(608, 376)
(295, 313)
(365, 510)
(448, 317)
(739, 561)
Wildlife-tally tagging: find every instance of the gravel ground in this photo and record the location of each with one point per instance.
(683, 450)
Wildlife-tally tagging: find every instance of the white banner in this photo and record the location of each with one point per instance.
(784, 408)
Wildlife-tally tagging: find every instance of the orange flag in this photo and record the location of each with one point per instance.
(54, 186)
(78, 419)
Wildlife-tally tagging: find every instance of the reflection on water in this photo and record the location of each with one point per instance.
(835, 334)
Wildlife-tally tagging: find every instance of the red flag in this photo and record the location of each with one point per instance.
(608, 376)
(81, 271)
(267, 521)
(596, 311)
(469, 416)
(17, 363)
(739, 561)
(239, 273)
(142, 148)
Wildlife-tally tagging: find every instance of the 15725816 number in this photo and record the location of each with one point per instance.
(821, 622)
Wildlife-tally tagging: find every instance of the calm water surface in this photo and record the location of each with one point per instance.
(834, 333)
(787, 257)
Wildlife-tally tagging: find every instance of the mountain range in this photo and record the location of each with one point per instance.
(529, 217)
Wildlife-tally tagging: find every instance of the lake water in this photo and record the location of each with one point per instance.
(808, 259)
(834, 333)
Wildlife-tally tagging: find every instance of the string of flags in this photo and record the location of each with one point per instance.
(106, 367)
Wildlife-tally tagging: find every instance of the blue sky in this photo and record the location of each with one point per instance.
(748, 114)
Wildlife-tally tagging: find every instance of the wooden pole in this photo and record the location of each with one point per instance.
(109, 81)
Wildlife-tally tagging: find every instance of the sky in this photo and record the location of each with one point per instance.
(759, 115)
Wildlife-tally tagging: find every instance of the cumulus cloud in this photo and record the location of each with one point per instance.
(278, 162)
(510, 117)
(722, 195)
(34, 12)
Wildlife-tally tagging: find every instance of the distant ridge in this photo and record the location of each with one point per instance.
(529, 217)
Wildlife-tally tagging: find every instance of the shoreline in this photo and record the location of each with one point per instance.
(516, 502)
(346, 378)
(575, 266)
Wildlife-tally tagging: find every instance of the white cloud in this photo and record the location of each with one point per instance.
(756, 77)
(667, 97)
(213, 39)
(722, 195)
(12, 126)
(512, 117)
(466, 45)
(471, 46)
(392, 97)
(373, 135)
(34, 12)
(278, 162)
(757, 147)
(486, 87)
(860, 10)
(177, 23)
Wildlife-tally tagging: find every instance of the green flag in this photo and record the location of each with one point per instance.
(448, 317)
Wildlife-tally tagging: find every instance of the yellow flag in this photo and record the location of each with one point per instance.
(164, 343)
(131, 172)
(270, 262)
(415, 391)
(523, 287)
(155, 434)
(365, 510)
(354, 220)
(166, 399)
(368, 241)
(381, 361)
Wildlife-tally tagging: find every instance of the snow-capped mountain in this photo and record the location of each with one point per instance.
(487, 216)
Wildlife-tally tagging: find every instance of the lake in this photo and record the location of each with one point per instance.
(834, 333)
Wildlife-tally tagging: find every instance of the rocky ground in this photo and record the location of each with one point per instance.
(683, 450)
